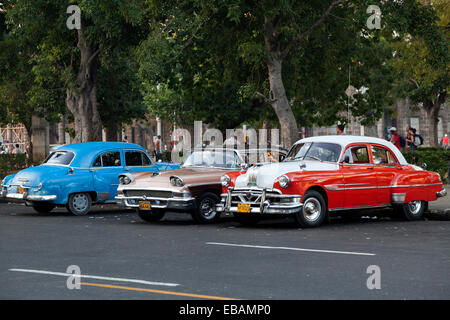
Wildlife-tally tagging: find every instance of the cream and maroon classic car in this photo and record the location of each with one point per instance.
(322, 175)
(195, 188)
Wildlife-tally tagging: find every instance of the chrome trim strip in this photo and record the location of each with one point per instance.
(339, 187)
(365, 207)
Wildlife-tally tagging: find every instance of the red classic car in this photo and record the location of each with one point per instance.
(322, 175)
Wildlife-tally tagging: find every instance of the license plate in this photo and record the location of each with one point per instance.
(243, 208)
(144, 206)
(20, 190)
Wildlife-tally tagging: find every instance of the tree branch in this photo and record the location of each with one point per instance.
(414, 81)
(267, 100)
(302, 35)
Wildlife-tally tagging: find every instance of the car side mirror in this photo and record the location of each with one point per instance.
(423, 165)
(282, 157)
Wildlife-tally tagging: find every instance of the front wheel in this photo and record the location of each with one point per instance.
(79, 203)
(206, 209)
(151, 216)
(43, 207)
(412, 211)
(313, 212)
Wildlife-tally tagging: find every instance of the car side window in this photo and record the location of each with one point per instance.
(108, 159)
(357, 154)
(136, 158)
(383, 156)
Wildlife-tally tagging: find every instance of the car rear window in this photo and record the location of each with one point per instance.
(60, 157)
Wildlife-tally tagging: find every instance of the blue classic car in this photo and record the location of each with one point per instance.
(78, 175)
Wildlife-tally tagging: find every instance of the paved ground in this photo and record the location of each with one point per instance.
(273, 260)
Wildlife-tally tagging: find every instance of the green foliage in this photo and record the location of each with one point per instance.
(12, 163)
(436, 158)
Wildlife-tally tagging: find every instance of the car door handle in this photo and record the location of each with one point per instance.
(370, 167)
(127, 169)
(93, 170)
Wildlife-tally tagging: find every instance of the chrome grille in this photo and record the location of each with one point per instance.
(148, 193)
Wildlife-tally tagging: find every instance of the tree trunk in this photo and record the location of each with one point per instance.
(280, 104)
(62, 130)
(82, 100)
(278, 99)
(111, 131)
(432, 109)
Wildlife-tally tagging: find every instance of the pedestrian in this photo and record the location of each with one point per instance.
(157, 151)
(411, 139)
(396, 139)
(125, 139)
(340, 129)
(17, 149)
(445, 143)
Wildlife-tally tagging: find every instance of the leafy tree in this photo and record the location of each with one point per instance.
(294, 56)
(422, 63)
(72, 58)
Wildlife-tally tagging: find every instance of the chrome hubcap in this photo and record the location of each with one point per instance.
(208, 208)
(414, 207)
(80, 202)
(312, 209)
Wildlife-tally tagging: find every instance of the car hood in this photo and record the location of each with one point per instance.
(31, 177)
(190, 176)
(264, 176)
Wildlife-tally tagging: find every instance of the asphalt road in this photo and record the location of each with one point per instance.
(122, 257)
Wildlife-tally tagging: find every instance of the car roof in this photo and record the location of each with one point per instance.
(85, 151)
(345, 140)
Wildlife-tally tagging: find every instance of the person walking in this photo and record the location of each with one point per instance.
(158, 154)
(411, 144)
(17, 149)
(340, 129)
(396, 139)
(445, 142)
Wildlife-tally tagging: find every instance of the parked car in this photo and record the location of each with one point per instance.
(194, 188)
(326, 174)
(78, 175)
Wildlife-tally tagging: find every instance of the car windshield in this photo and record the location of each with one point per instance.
(59, 157)
(320, 151)
(216, 159)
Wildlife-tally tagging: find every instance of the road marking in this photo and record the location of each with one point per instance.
(152, 283)
(288, 248)
(191, 295)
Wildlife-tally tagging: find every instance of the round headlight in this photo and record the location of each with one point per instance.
(284, 181)
(125, 179)
(176, 181)
(225, 180)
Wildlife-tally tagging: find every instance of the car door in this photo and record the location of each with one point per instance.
(360, 180)
(105, 170)
(138, 161)
(386, 168)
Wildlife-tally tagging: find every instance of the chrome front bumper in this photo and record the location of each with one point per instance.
(441, 193)
(261, 201)
(155, 202)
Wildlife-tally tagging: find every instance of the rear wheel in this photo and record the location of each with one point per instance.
(151, 215)
(206, 209)
(412, 211)
(43, 207)
(79, 203)
(313, 212)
